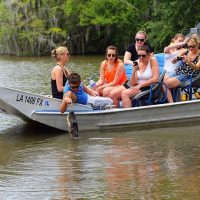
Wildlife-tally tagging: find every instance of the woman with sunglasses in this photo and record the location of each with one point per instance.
(144, 74)
(131, 53)
(112, 76)
(59, 72)
(190, 66)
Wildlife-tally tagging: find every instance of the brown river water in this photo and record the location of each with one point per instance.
(37, 162)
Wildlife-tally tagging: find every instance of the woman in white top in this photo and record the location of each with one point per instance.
(144, 74)
(172, 52)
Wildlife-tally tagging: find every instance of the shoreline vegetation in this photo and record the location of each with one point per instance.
(35, 27)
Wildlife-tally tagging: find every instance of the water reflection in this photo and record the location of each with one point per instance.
(151, 164)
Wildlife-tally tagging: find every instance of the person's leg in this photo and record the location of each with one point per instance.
(107, 90)
(68, 98)
(115, 94)
(127, 95)
(171, 83)
(166, 77)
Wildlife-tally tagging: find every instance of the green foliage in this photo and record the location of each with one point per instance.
(170, 17)
(106, 12)
(88, 26)
(57, 31)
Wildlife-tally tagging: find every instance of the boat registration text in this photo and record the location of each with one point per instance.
(29, 99)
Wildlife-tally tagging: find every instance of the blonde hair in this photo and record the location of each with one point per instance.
(194, 39)
(142, 32)
(196, 36)
(55, 53)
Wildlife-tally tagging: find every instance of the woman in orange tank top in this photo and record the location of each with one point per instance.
(112, 76)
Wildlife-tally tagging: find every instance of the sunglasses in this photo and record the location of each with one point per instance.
(142, 56)
(192, 46)
(111, 55)
(137, 40)
(73, 87)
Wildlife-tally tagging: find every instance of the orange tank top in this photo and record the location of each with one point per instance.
(110, 75)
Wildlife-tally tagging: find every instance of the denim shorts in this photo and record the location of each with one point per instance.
(183, 78)
(171, 74)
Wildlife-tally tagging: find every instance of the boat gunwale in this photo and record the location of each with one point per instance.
(116, 110)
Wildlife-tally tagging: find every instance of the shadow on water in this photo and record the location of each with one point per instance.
(32, 128)
(29, 131)
(36, 130)
(146, 127)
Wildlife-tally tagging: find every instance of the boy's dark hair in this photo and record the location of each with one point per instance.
(74, 78)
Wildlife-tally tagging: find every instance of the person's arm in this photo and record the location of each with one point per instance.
(133, 78)
(65, 102)
(155, 73)
(66, 99)
(175, 45)
(181, 53)
(191, 64)
(127, 58)
(90, 91)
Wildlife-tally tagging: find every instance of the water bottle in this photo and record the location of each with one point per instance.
(92, 84)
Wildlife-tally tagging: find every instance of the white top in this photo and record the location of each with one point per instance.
(145, 75)
(169, 66)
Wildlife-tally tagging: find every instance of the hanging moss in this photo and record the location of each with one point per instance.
(34, 27)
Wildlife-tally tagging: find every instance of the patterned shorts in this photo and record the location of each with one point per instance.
(100, 102)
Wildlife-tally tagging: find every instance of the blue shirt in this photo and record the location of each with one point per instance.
(82, 97)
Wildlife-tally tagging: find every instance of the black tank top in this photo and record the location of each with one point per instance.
(54, 90)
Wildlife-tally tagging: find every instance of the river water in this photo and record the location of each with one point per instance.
(41, 163)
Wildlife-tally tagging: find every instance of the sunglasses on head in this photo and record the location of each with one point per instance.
(111, 55)
(137, 40)
(73, 87)
(142, 56)
(192, 46)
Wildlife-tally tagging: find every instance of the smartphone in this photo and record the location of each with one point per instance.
(135, 63)
(179, 58)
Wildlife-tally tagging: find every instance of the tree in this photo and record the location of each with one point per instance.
(34, 27)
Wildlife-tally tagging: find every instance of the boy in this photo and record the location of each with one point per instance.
(76, 92)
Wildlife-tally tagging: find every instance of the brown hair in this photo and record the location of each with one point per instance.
(113, 48)
(55, 53)
(144, 48)
(74, 78)
(177, 36)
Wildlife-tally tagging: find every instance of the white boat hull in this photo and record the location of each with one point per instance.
(45, 110)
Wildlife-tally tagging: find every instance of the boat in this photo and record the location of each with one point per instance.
(42, 109)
